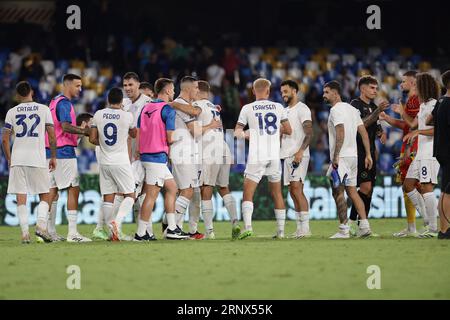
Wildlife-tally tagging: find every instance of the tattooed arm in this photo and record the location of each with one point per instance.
(340, 135)
(308, 130)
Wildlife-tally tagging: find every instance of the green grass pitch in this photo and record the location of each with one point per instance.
(257, 268)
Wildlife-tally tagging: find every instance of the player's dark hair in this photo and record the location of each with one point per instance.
(83, 117)
(410, 73)
(333, 85)
(290, 83)
(446, 79)
(204, 86)
(71, 77)
(427, 87)
(23, 88)
(115, 96)
(131, 75)
(161, 83)
(188, 79)
(368, 79)
(145, 85)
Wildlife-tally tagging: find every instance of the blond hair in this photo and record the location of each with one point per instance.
(261, 84)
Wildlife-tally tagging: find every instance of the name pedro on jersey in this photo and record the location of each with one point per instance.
(27, 108)
(111, 116)
(264, 107)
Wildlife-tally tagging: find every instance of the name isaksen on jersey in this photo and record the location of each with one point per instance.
(111, 116)
(27, 108)
(265, 107)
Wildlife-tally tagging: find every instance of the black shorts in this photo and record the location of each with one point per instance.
(445, 178)
(365, 175)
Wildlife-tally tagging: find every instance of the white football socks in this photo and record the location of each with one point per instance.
(207, 212)
(171, 221)
(125, 208)
(23, 219)
(417, 199)
(230, 204)
(280, 215)
(247, 211)
(194, 211)
(51, 223)
(107, 209)
(72, 220)
(181, 205)
(42, 216)
(431, 209)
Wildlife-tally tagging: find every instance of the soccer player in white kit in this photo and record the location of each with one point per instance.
(266, 120)
(344, 123)
(28, 168)
(110, 130)
(185, 158)
(133, 103)
(216, 163)
(424, 168)
(295, 152)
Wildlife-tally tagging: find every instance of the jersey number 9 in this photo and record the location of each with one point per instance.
(111, 139)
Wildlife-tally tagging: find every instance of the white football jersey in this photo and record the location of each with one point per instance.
(264, 119)
(425, 143)
(113, 126)
(135, 109)
(349, 116)
(184, 145)
(27, 122)
(212, 143)
(290, 144)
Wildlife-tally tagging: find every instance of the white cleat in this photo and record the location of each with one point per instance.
(210, 235)
(301, 234)
(278, 235)
(341, 235)
(77, 238)
(405, 233)
(364, 233)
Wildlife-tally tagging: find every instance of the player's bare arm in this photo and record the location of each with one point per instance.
(397, 123)
(429, 121)
(373, 117)
(189, 109)
(137, 155)
(286, 127)
(413, 134)
(368, 161)
(132, 133)
(308, 130)
(52, 142)
(197, 130)
(93, 136)
(340, 135)
(67, 127)
(6, 145)
(239, 132)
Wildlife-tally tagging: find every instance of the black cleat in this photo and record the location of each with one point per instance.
(444, 235)
(43, 235)
(145, 238)
(176, 234)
